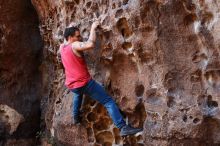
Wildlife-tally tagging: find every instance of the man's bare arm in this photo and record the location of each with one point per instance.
(82, 46)
(89, 44)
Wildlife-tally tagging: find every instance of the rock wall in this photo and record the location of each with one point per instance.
(21, 49)
(159, 59)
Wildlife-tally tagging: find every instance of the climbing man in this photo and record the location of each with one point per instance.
(80, 82)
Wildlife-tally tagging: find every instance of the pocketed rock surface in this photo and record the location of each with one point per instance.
(158, 59)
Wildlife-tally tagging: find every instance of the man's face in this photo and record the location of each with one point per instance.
(77, 36)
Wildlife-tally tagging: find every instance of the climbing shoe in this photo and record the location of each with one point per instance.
(129, 130)
(210, 112)
(76, 120)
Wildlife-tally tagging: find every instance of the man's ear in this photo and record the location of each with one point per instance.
(68, 38)
(81, 39)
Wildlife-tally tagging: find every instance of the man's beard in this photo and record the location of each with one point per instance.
(81, 39)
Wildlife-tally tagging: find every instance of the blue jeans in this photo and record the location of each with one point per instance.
(98, 93)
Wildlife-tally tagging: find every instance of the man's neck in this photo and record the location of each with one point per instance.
(67, 42)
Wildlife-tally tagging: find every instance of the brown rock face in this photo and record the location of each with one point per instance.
(159, 59)
(20, 78)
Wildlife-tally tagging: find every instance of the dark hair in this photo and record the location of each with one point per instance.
(70, 31)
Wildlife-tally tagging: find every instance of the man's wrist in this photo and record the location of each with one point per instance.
(94, 27)
(91, 41)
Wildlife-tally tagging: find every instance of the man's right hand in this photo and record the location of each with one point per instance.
(90, 43)
(95, 24)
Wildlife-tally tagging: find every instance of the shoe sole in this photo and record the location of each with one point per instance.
(138, 134)
(132, 133)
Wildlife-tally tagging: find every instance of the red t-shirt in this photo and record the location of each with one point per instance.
(76, 71)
